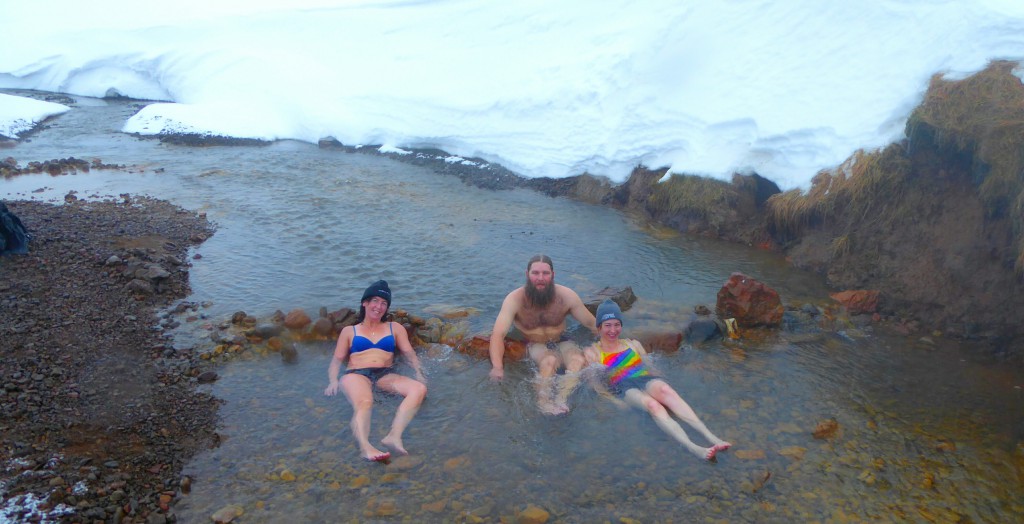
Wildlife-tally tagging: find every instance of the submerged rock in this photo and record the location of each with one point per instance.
(479, 346)
(826, 429)
(227, 514)
(533, 515)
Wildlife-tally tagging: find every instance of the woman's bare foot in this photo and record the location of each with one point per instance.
(710, 453)
(373, 454)
(395, 444)
(713, 450)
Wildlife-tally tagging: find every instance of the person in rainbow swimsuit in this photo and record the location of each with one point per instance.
(630, 380)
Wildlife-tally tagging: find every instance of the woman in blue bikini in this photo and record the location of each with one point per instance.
(631, 382)
(370, 348)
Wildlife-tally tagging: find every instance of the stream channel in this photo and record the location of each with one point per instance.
(928, 431)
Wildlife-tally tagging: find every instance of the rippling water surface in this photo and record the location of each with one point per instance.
(926, 432)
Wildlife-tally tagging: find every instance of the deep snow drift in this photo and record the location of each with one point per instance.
(546, 89)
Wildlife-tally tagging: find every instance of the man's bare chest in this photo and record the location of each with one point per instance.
(550, 316)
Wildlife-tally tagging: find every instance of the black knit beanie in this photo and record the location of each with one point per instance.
(378, 289)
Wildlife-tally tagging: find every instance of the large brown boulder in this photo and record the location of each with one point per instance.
(622, 296)
(749, 301)
(296, 319)
(479, 346)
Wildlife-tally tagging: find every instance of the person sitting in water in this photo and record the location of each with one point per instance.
(630, 378)
(538, 310)
(370, 347)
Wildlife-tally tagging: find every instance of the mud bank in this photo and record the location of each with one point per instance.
(99, 409)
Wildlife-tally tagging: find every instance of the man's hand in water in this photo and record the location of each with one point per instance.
(497, 373)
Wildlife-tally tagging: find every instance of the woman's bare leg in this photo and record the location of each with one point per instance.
(359, 391)
(637, 398)
(414, 392)
(668, 397)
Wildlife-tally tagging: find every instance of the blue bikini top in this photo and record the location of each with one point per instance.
(361, 343)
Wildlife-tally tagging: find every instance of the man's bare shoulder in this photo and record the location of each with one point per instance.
(515, 299)
(518, 293)
(566, 293)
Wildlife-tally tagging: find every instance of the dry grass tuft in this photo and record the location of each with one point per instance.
(983, 115)
(841, 246)
(868, 187)
(693, 195)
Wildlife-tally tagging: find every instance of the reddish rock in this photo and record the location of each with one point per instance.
(826, 429)
(749, 301)
(479, 346)
(323, 327)
(342, 317)
(533, 515)
(857, 301)
(296, 319)
(667, 342)
(277, 317)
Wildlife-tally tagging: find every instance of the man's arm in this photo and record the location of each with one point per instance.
(580, 312)
(501, 326)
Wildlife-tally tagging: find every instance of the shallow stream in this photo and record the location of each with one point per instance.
(928, 432)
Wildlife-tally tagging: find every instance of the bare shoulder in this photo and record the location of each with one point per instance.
(515, 298)
(635, 344)
(567, 294)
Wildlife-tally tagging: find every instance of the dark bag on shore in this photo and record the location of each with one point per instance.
(13, 235)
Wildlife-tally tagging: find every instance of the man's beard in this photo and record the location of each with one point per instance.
(537, 297)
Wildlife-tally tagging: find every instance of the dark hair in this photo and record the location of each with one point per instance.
(540, 258)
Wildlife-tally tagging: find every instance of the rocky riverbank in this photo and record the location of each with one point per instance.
(99, 409)
(932, 224)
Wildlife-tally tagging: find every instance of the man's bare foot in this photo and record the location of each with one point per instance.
(395, 444)
(551, 408)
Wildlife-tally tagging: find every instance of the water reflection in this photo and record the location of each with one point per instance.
(924, 433)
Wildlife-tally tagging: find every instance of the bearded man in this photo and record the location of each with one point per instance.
(538, 310)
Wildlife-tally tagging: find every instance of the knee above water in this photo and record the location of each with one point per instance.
(420, 390)
(363, 404)
(549, 362)
(655, 408)
(662, 388)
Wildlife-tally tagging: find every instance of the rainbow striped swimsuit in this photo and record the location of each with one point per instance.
(625, 364)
